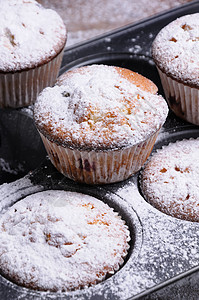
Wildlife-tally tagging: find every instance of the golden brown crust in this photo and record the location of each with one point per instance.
(140, 81)
(100, 107)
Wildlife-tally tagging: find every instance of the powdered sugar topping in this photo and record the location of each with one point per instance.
(57, 240)
(170, 179)
(29, 34)
(176, 48)
(99, 109)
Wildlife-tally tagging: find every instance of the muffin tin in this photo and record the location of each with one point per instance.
(163, 260)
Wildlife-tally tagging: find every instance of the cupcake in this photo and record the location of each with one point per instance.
(175, 52)
(32, 40)
(61, 241)
(170, 180)
(99, 123)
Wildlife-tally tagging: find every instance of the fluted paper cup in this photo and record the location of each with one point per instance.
(21, 88)
(99, 167)
(182, 99)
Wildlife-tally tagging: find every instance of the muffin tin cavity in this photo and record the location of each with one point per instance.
(16, 191)
(21, 149)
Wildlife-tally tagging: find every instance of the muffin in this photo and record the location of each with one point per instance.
(170, 180)
(99, 123)
(32, 40)
(61, 241)
(175, 52)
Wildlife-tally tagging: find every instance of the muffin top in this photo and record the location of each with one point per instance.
(30, 35)
(61, 241)
(100, 107)
(170, 180)
(176, 47)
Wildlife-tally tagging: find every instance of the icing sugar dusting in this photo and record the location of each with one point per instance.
(176, 47)
(170, 179)
(57, 240)
(29, 34)
(169, 246)
(99, 108)
(5, 166)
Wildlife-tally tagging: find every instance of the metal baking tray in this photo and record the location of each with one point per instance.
(163, 260)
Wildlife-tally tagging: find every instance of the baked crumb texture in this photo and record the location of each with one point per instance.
(61, 241)
(175, 53)
(170, 180)
(99, 123)
(32, 40)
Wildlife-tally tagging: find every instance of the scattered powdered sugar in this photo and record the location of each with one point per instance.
(5, 166)
(99, 109)
(57, 240)
(29, 34)
(81, 35)
(135, 49)
(28, 110)
(87, 19)
(169, 247)
(176, 47)
(162, 135)
(10, 192)
(170, 179)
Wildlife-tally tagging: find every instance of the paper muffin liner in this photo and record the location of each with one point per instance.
(99, 167)
(21, 88)
(182, 99)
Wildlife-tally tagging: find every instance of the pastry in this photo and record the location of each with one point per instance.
(61, 241)
(175, 52)
(170, 180)
(99, 123)
(32, 41)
